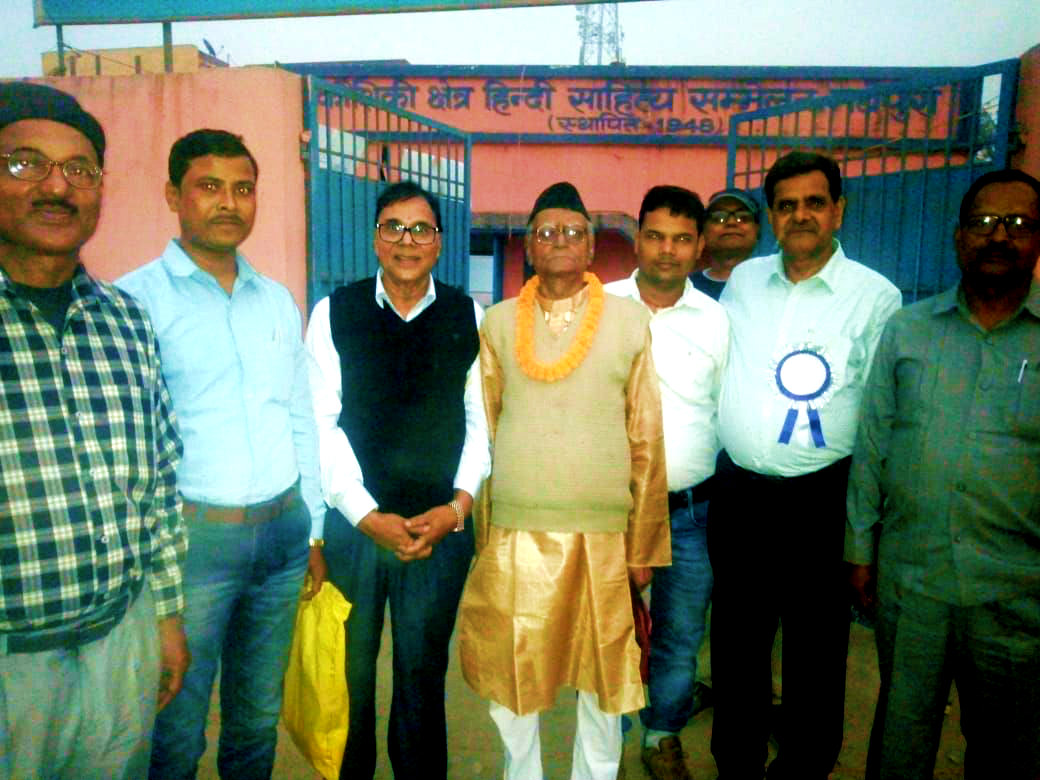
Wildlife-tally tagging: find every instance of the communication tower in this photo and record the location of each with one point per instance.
(600, 34)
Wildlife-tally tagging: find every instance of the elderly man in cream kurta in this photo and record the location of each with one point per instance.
(576, 504)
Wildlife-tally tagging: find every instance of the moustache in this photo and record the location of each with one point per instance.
(227, 220)
(996, 253)
(51, 203)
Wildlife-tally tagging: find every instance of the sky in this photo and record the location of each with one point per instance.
(658, 32)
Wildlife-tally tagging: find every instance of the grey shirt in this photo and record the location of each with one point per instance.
(946, 465)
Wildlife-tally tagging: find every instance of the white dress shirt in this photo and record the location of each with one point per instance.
(689, 342)
(799, 357)
(342, 482)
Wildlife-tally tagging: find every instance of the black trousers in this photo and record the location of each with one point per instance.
(776, 548)
(424, 599)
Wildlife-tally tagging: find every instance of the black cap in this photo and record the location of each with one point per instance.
(24, 100)
(561, 195)
(743, 196)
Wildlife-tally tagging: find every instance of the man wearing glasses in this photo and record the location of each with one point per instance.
(577, 503)
(404, 449)
(730, 233)
(91, 536)
(804, 324)
(944, 501)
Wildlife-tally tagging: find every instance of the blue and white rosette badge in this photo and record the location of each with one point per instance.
(804, 377)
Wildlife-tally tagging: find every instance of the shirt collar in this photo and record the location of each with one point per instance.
(948, 300)
(828, 275)
(691, 296)
(179, 263)
(953, 298)
(383, 300)
(83, 284)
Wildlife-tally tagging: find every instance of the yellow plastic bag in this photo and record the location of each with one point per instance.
(314, 707)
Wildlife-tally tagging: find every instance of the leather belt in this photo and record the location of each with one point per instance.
(684, 499)
(92, 628)
(253, 514)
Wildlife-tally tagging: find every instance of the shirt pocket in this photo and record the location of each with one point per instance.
(1026, 420)
(277, 362)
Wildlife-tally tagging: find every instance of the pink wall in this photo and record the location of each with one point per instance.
(143, 115)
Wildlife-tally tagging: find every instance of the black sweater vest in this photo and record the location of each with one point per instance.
(403, 387)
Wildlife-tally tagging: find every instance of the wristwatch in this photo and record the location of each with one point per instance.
(460, 517)
(316, 542)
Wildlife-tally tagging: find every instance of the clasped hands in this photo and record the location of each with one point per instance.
(409, 538)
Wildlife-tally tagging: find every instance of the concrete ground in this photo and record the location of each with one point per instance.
(474, 752)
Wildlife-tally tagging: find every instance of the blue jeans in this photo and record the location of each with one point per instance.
(241, 585)
(679, 599)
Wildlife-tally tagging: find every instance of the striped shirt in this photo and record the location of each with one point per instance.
(88, 452)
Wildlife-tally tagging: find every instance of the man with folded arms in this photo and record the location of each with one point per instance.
(403, 451)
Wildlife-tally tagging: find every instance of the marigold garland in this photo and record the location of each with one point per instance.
(579, 348)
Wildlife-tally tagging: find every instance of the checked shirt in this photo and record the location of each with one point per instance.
(88, 451)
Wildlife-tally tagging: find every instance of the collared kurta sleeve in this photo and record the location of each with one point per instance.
(492, 381)
(648, 538)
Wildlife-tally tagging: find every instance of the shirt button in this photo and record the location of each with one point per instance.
(103, 538)
(961, 487)
(957, 539)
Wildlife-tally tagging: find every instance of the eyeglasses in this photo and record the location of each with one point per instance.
(393, 231)
(722, 217)
(1015, 225)
(28, 165)
(572, 234)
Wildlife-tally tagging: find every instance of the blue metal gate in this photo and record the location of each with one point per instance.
(908, 151)
(359, 145)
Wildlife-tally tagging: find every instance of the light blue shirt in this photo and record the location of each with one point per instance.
(237, 370)
(799, 357)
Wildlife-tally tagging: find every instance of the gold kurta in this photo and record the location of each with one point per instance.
(545, 609)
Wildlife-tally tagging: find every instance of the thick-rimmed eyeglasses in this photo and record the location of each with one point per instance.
(393, 231)
(33, 166)
(572, 234)
(1015, 225)
(722, 217)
